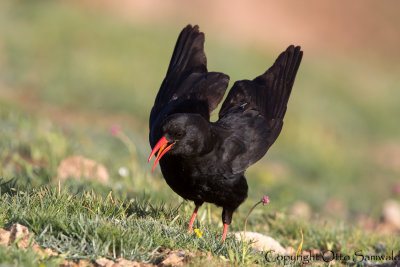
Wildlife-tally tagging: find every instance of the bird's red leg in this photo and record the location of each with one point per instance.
(190, 227)
(224, 233)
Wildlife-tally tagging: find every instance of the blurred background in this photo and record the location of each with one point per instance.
(72, 70)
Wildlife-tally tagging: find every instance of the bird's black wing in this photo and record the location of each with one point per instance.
(188, 87)
(253, 111)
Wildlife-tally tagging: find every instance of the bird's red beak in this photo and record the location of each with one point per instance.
(162, 148)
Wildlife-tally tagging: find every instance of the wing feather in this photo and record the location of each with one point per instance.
(258, 107)
(187, 78)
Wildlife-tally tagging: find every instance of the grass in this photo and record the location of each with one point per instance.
(68, 73)
(87, 225)
(19, 257)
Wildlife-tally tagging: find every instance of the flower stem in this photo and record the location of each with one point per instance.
(265, 201)
(131, 148)
(247, 217)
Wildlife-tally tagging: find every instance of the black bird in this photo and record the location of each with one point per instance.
(205, 161)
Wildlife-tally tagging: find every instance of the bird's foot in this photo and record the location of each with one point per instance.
(224, 233)
(190, 227)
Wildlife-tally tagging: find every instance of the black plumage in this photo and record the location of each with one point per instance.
(205, 161)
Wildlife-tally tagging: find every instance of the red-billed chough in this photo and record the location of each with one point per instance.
(205, 161)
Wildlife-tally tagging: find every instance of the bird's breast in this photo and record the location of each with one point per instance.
(200, 180)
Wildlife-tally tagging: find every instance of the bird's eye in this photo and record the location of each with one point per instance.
(179, 134)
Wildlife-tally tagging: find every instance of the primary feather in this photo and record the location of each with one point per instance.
(254, 110)
(188, 86)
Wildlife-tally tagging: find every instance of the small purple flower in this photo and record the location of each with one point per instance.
(396, 189)
(265, 200)
(115, 130)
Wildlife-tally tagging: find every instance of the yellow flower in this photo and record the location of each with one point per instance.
(198, 233)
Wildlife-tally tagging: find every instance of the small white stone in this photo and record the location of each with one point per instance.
(261, 242)
(391, 213)
(123, 171)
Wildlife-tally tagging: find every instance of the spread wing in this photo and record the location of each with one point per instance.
(188, 86)
(253, 111)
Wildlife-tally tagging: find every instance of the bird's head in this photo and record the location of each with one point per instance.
(183, 134)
